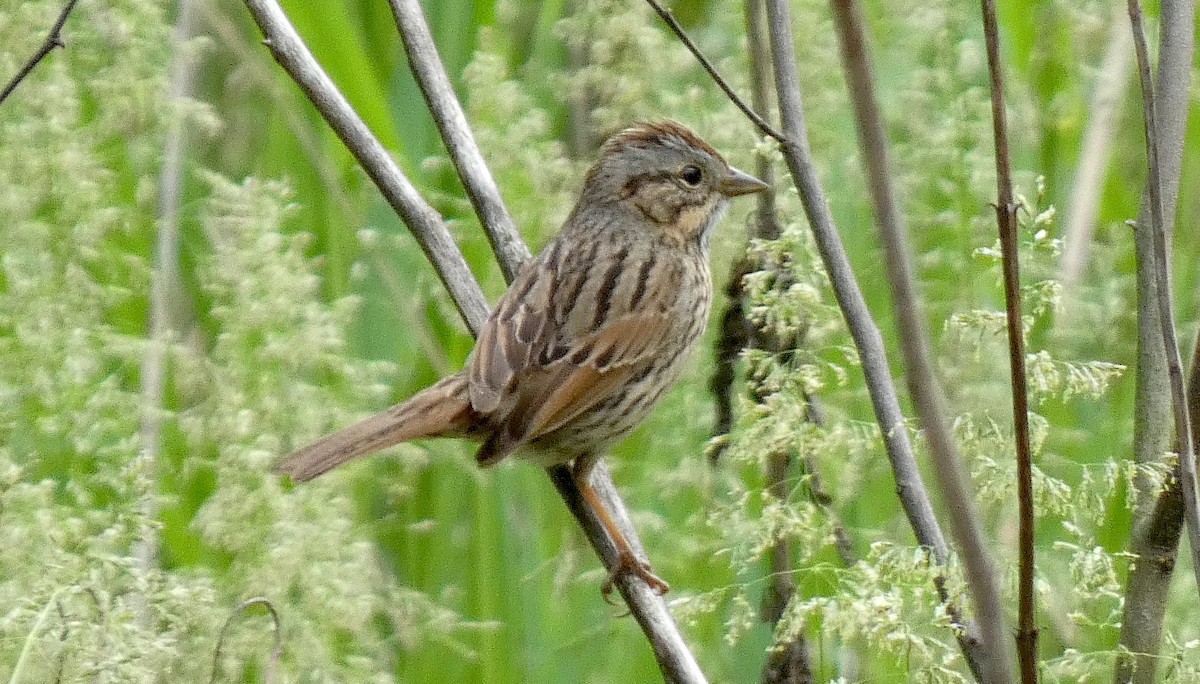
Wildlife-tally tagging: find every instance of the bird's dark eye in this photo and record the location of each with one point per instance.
(692, 175)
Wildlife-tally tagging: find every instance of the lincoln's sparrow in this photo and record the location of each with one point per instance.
(591, 333)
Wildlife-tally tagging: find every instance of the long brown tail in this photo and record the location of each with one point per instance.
(441, 410)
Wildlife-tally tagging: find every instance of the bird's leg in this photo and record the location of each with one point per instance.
(627, 561)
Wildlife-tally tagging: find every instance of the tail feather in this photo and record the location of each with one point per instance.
(441, 410)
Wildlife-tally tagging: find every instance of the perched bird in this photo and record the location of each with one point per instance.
(591, 333)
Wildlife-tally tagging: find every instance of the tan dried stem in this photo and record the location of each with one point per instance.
(1083, 207)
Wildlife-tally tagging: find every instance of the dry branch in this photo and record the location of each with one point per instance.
(712, 72)
(427, 67)
(1083, 207)
(164, 284)
(862, 327)
(991, 655)
(980, 578)
(53, 40)
(425, 223)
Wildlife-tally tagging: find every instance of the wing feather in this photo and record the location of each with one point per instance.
(547, 397)
(511, 336)
(564, 339)
(621, 349)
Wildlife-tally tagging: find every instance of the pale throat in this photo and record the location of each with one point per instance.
(696, 223)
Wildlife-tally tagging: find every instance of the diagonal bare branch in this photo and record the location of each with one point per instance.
(423, 220)
(426, 65)
(762, 124)
(981, 578)
(862, 326)
(675, 659)
(53, 40)
(858, 318)
(992, 656)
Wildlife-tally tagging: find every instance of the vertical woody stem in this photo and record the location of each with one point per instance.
(1166, 314)
(1006, 219)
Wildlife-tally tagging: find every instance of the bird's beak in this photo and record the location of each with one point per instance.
(740, 183)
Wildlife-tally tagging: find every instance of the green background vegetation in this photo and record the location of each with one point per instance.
(301, 303)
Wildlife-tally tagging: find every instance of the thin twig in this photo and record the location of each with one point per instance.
(1098, 137)
(426, 65)
(53, 40)
(1162, 272)
(762, 124)
(650, 610)
(277, 627)
(923, 385)
(426, 224)
(1006, 220)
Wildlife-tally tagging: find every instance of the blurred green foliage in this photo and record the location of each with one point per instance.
(302, 303)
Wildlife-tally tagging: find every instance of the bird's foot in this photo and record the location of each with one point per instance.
(627, 563)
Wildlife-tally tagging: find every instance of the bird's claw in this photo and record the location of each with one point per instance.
(627, 563)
